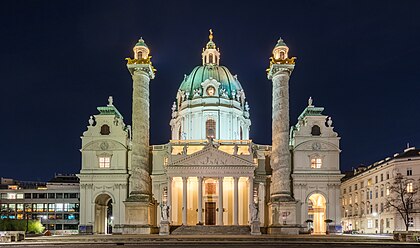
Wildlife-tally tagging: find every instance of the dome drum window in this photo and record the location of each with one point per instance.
(210, 128)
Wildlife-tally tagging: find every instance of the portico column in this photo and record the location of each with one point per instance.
(169, 198)
(200, 200)
(220, 201)
(251, 195)
(235, 200)
(184, 200)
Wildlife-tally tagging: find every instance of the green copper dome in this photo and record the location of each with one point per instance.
(221, 74)
(141, 43)
(280, 42)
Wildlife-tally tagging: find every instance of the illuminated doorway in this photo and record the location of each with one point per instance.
(103, 214)
(317, 213)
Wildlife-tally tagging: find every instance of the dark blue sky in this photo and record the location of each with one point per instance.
(61, 59)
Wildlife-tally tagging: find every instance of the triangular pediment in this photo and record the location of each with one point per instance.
(211, 156)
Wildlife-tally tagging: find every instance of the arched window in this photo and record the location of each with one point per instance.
(211, 58)
(316, 130)
(210, 128)
(139, 55)
(282, 55)
(105, 130)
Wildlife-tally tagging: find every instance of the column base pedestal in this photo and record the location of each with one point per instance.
(285, 217)
(164, 228)
(284, 229)
(255, 228)
(140, 217)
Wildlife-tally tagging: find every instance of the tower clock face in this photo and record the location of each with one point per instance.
(211, 90)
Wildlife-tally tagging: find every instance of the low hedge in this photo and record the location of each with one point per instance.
(34, 226)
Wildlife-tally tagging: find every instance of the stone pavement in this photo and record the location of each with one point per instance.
(106, 241)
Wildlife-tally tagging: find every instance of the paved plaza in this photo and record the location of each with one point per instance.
(108, 241)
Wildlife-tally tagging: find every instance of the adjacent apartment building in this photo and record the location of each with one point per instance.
(364, 192)
(55, 203)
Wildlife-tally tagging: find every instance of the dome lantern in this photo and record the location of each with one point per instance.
(211, 54)
(280, 51)
(141, 51)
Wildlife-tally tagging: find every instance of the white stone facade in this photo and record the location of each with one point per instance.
(364, 194)
(210, 172)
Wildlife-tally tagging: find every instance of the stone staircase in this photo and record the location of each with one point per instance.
(212, 230)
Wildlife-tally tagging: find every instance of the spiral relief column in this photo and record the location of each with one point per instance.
(140, 208)
(282, 206)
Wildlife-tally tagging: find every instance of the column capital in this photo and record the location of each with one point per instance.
(184, 179)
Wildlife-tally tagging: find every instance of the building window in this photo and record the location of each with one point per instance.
(376, 179)
(382, 207)
(355, 186)
(411, 221)
(139, 55)
(282, 55)
(387, 175)
(369, 224)
(240, 133)
(105, 130)
(211, 58)
(409, 172)
(350, 189)
(387, 223)
(369, 182)
(104, 162)
(210, 128)
(316, 130)
(370, 195)
(376, 194)
(376, 223)
(387, 190)
(382, 177)
(382, 192)
(316, 163)
(362, 184)
(344, 191)
(409, 187)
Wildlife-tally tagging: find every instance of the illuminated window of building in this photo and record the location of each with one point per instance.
(139, 55)
(105, 130)
(210, 91)
(210, 128)
(316, 163)
(409, 187)
(11, 195)
(104, 162)
(19, 196)
(316, 130)
(369, 224)
(370, 182)
(387, 190)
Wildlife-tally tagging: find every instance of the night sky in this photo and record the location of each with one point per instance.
(61, 59)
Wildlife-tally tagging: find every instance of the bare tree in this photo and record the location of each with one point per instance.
(403, 197)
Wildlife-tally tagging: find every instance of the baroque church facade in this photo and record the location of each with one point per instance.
(210, 173)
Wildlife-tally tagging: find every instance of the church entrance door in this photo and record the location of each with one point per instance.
(210, 209)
